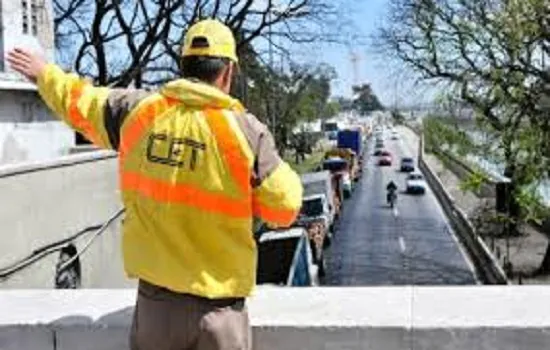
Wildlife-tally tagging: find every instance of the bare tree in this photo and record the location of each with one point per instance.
(138, 41)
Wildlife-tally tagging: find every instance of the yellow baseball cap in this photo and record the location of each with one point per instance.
(210, 37)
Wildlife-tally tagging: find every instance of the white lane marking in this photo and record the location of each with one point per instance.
(412, 139)
(402, 244)
(395, 212)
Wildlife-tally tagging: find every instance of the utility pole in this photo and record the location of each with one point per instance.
(272, 74)
(354, 59)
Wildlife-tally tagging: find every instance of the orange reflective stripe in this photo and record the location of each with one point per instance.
(284, 217)
(144, 117)
(187, 194)
(75, 116)
(230, 148)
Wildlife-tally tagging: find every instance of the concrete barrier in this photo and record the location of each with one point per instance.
(44, 202)
(392, 318)
(488, 269)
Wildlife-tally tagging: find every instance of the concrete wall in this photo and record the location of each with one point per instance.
(47, 201)
(34, 142)
(381, 318)
(23, 106)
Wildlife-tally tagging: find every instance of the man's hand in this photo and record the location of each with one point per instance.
(27, 63)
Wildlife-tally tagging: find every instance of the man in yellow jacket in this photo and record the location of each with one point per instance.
(195, 169)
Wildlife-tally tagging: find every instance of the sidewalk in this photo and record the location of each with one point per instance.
(526, 252)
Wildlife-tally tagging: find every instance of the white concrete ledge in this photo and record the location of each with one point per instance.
(482, 317)
(64, 161)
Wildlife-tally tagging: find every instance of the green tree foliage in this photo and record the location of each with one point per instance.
(489, 53)
(397, 117)
(283, 99)
(365, 100)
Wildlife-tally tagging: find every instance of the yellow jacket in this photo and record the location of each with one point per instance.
(195, 169)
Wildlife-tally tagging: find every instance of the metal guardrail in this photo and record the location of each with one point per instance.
(40, 253)
(487, 267)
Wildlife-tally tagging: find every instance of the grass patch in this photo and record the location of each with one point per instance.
(312, 161)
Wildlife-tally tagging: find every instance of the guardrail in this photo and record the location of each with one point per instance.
(487, 266)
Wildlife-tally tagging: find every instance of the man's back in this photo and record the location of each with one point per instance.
(195, 168)
(191, 195)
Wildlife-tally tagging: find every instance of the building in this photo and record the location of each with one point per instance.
(28, 132)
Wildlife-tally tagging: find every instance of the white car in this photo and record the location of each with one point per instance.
(415, 183)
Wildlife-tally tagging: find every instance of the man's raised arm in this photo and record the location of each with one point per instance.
(96, 112)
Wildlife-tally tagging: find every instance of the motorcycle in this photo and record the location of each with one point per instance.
(392, 198)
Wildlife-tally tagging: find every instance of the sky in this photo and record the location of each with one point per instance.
(367, 16)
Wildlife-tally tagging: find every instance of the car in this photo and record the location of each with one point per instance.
(378, 152)
(394, 135)
(415, 184)
(385, 158)
(407, 164)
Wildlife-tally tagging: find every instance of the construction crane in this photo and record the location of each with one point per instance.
(355, 59)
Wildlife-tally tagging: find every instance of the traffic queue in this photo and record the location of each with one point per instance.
(295, 256)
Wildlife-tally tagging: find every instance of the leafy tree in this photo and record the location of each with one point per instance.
(488, 51)
(365, 100)
(398, 118)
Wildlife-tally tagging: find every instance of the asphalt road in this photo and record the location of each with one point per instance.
(410, 245)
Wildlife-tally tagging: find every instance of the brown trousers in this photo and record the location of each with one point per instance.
(165, 320)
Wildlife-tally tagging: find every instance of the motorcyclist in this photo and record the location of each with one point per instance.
(391, 188)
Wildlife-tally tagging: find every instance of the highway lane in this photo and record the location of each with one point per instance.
(411, 245)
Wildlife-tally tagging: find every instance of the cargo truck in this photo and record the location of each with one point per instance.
(352, 139)
(319, 212)
(339, 170)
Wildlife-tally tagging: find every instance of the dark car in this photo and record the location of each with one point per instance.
(407, 164)
(385, 158)
(378, 152)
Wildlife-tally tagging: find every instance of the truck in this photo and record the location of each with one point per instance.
(322, 183)
(285, 258)
(318, 214)
(354, 167)
(331, 130)
(339, 170)
(352, 139)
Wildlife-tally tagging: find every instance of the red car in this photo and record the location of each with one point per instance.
(385, 158)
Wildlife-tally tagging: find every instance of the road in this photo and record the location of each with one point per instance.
(410, 245)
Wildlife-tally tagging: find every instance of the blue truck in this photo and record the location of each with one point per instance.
(351, 139)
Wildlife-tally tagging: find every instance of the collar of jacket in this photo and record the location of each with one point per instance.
(195, 93)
